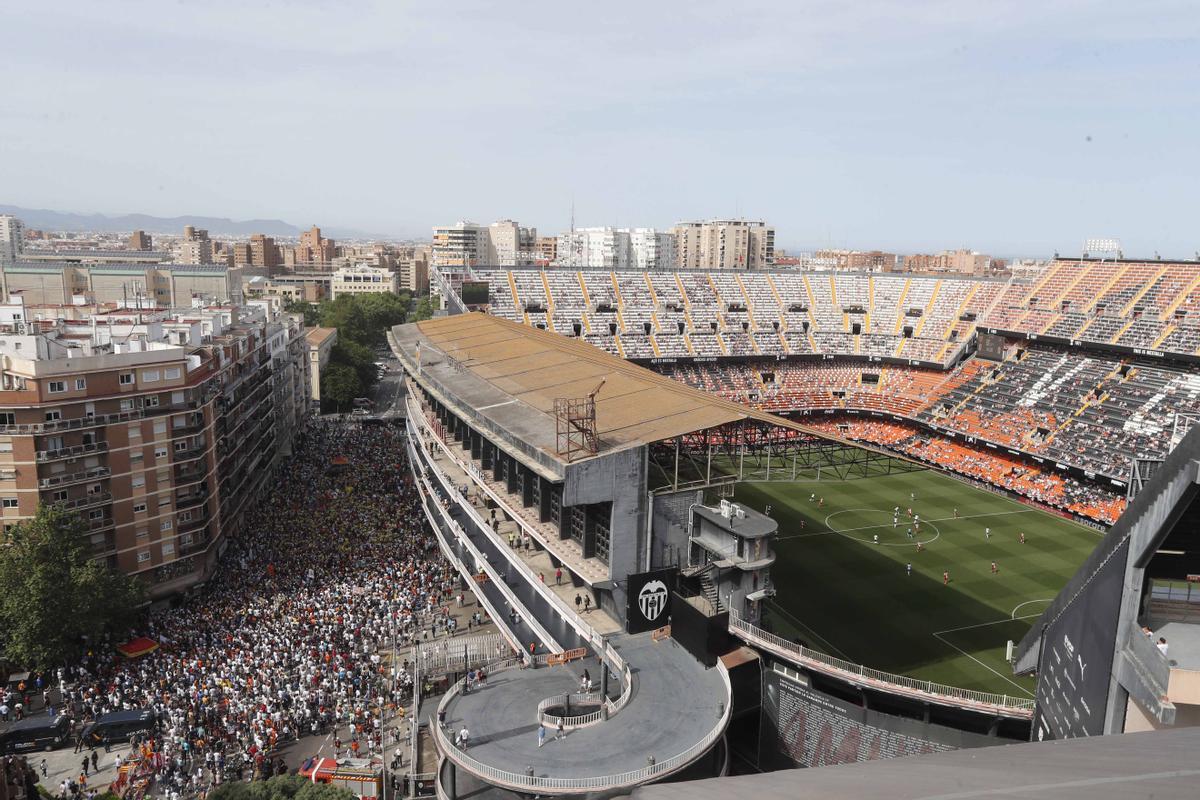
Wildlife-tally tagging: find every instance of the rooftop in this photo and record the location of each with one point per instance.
(317, 336)
(508, 375)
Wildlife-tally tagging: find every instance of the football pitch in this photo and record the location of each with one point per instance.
(842, 592)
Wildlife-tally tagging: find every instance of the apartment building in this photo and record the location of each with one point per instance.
(195, 247)
(652, 249)
(511, 245)
(264, 252)
(363, 279)
(12, 239)
(140, 240)
(463, 244)
(314, 248)
(547, 250)
(169, 285)
(599, 248)
(159, 427)
(724, 244)
(961, 262)
(320, 342)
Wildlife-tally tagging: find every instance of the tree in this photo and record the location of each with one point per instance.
(312, 314)
(52, 594)
(359, 358)
(281, 787)
(424, 310)
(339, 386)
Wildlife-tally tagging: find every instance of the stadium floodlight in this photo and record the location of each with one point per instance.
(1102, 246)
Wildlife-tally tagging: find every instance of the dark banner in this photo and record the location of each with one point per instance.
(1077, 655)
(804, 727)
(991, 346)
(474, 293)
(649, 596)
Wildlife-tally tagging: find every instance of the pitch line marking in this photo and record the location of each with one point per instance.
(985, 624)
(1028, 602)
(884, 510)
(913, 543)
(1012, 683)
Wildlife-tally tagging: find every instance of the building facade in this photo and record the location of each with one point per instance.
(652, 249)
(724, 244)
(598, 248)
(362, 279)
(463, 244)
(195, 247)
(159, 428)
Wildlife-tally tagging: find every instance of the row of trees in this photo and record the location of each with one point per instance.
(362, 322)
(55, 601)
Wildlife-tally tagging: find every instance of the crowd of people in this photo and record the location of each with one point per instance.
(292, 635)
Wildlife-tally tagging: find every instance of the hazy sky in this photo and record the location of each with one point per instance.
(1015, 127)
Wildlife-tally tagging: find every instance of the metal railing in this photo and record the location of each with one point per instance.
(69, 452)
(93, 499)
(886, 681)
(95, 473)
(540, 783)
(578, 720)
(73, 423)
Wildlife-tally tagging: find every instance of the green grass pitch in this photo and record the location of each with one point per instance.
(840, 592)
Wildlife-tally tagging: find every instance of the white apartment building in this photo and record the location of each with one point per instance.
(724, 244)
(363, 279)
(600, 248)
(652, 249)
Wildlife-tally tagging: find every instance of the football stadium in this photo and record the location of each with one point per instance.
(738, 522)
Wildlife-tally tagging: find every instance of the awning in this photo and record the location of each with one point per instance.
(761, 594)
(137, 647)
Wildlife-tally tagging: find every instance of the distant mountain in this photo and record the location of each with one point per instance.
(46, 219)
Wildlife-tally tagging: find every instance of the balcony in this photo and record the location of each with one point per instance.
(190, 472)
(72, 452)
(95, 473)
(196, 524)
(75, 423)
(188, 501)
(99, 524)
(88, 500)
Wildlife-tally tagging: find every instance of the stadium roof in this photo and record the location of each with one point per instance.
(511, 374)
(1154, 764)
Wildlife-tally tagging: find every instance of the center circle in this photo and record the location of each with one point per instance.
(865, 533)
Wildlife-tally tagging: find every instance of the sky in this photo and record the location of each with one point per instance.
(1015, 128)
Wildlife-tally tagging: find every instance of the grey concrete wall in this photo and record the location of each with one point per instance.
(669, 531)
(618, 478)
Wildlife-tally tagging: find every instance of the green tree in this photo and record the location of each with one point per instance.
(424, 310)
(312, 314)
(339, 386)
(281, 787)
(52, 594)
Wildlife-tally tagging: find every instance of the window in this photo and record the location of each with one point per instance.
(135, 430)
(127, 405)
(185, 539)
(8, 418)
(9, 502)
(95, 488)
(160, 452)
(126, 379)
(165, 500)
(54, 415)
(139, 481)
(136, 457)
(6, 447)
(96, 513)
(163, 476)
(168, 549)
(152, 401)
(165, 525)
(139, 508)
(160, 426)
(177, 398)
(142, 533)
(143, 556)
(57, 386)
(149, 375)
(181, 445)
(59, 496)
(80, 384)
(171, 374)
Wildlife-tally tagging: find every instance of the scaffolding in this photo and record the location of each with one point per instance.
(575, 421)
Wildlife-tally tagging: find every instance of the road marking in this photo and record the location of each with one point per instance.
(869, 527)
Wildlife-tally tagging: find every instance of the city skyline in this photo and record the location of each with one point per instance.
(1015, 129)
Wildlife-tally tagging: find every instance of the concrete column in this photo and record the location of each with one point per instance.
(527, 479)
(544, 505)
(451, 788)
